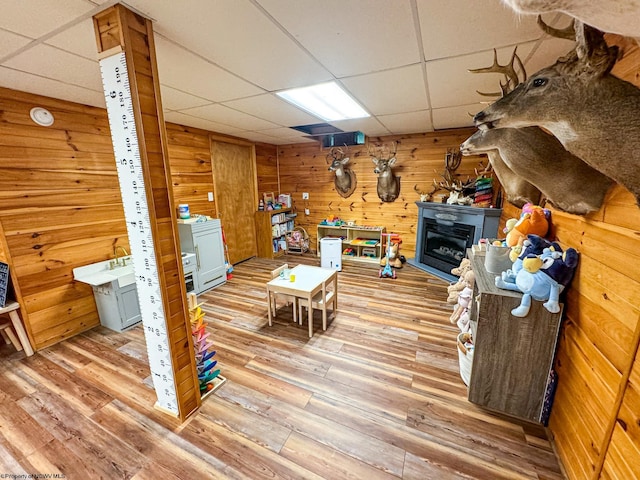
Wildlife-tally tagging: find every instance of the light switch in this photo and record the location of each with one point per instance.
(306, 211)
(210, 196)
(305, 195)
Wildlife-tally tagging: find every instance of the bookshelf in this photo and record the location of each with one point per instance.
(359, 243)
(272, 227)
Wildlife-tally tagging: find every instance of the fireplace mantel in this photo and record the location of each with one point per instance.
(484, 220)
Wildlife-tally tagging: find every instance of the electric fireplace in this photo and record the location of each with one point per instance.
(446, 231)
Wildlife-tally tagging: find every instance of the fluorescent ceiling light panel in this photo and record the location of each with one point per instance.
(326, 100)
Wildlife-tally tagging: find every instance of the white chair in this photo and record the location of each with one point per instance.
(288, 298)
(320, 301)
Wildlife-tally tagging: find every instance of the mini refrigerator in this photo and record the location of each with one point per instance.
(331, 253)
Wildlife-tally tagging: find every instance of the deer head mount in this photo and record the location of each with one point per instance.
(592, 113)
(540, 160)
(388, 183)
(615, 16)
(345, 179)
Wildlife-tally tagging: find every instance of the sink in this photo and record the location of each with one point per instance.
(99, 273)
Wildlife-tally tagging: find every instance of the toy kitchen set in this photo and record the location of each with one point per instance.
(113, 281)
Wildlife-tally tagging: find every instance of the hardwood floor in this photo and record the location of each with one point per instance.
(376, 396)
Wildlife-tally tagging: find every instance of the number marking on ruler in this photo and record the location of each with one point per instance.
(117, 90)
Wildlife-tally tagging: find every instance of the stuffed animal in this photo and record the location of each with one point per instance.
(533, 222)
(543, 277)
(455, 288)
(534, 244)
(393, 256)
(464, 299)
(465, 264)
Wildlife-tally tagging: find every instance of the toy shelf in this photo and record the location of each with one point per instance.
(359, 243)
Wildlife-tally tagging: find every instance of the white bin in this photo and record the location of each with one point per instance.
(331, 253)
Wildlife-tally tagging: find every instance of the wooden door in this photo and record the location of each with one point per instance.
(234, 180)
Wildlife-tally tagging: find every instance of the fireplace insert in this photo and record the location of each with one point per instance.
(444, 243)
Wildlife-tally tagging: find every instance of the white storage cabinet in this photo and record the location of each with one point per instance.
(205, 240)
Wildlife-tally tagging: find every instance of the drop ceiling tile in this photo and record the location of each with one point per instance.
(264, 136)
(227, 116)
(393, 91)
(237, 36)
(53, 63)
(455, 117)
(196, 122)
(10, 42)
(458, 27)
(79, 39)
(35, 19)
(412, 122)
(27, 82)
(284, 133)
(547, 53)
(190, 73)
(351, 37)
(450, 82)
(369, 126)
(173, 99)
(272, 108)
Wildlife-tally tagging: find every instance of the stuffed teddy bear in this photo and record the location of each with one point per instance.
(393, 256)
(543, 277)
(534, 222)
(455, 288)
(464, 300)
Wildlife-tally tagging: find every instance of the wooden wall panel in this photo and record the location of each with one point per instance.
(60, 208)
(590, 418)
(267, 169)
(420, 159)
(191, 174)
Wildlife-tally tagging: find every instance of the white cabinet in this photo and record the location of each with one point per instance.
(118, 307)
(205, 240)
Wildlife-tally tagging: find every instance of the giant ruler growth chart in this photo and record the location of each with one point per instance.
(124, 135)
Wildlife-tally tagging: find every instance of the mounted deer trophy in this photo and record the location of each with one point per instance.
(568, 183)
(615, 16)
(592, 113)
(388, 183)
(450, 183)
(522, 161)
(345, 179)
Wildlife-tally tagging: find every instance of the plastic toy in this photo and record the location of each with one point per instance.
(387, 271)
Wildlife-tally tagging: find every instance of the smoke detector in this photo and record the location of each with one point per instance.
(41, 116)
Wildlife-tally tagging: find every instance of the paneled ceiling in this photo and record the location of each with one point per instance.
(220, 62)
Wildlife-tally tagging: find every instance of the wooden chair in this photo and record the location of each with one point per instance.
(8, 326)
(288, 298)
(321, 301)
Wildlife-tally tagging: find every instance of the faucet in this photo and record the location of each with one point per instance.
(117, 259)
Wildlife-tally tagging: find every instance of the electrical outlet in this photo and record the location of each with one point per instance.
(210, 196)
(305, 196)
(306, 211)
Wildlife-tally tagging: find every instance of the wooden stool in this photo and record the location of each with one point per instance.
(22, 342)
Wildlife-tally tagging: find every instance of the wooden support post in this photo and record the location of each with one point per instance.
(132, 90)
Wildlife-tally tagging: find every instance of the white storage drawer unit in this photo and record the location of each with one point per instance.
(205, 240)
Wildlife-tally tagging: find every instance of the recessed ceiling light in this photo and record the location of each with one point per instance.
(326, 101)
(41, 116)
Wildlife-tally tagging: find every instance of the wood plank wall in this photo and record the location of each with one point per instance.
(60, 208)
(191, 175)
(420, 159)
(599, 382)
(60, 205)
